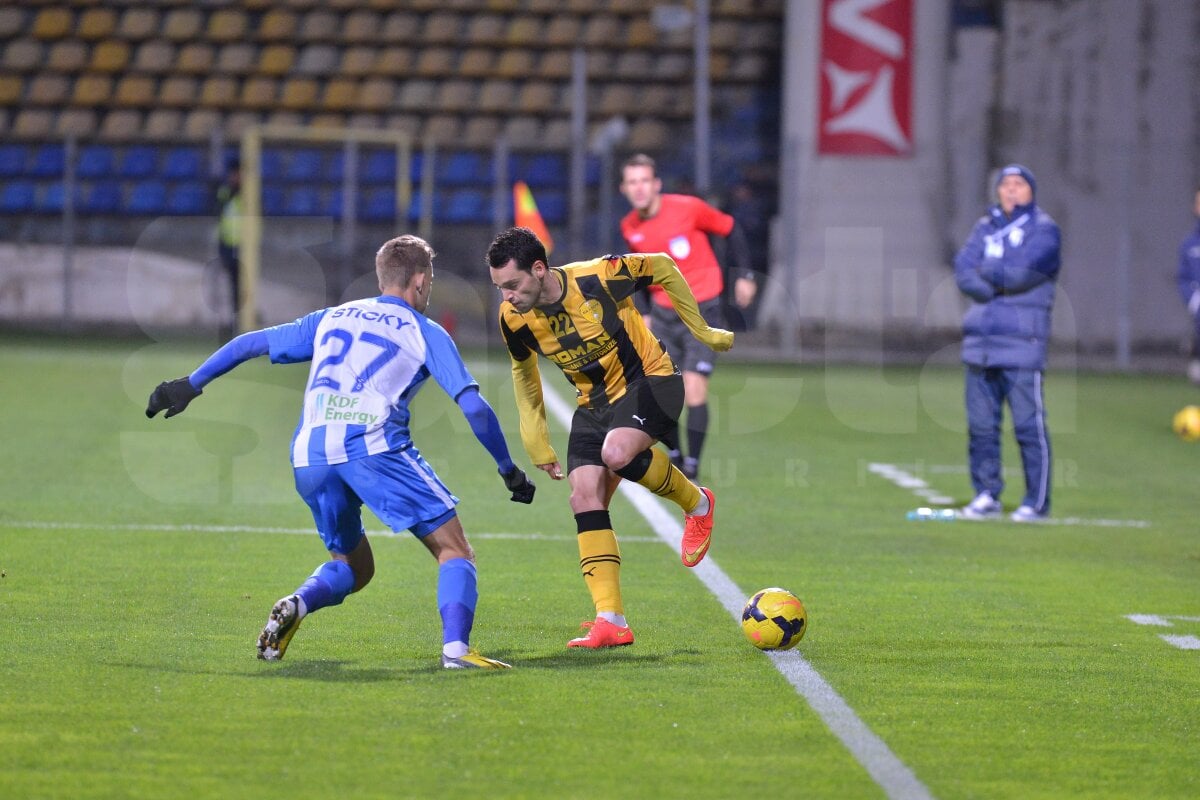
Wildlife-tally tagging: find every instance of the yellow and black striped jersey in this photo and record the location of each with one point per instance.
(593, 333)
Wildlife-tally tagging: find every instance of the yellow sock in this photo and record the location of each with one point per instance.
(600, 563)
(665, 480)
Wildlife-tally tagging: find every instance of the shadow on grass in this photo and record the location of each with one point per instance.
(319, 670)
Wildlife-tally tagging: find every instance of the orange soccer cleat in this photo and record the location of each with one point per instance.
(602, 633)
(697, 533)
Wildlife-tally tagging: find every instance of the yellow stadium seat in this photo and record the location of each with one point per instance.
(318, 26)
(278, 24)
(563, 31)
(748, 67)
(376, 94)
(134, 91)
(52, 23)
(476, 63)
(356, 61)
(361, 26)
(554, 64)
(138, 24)
(182, 24)
(163, 123)
(394, 62)
(648, 134)
(236, 58)
(22, 55)
(96, 23)
(602, 30)
(154, 56)
(92, 90)
(339, 94)
(227, 25)
(299, 94)
(33, 123)
(195, 58)
(276, 59)
(78, 122)
(259, 93)
(177, 90)
(11, 89)
(515, 63)
(48, 90)
(641, 33)
(723, 34)
(435, 61)
(525, 31)
(537, 97)
(121, 125)
(218, 91)
(328, 121)
(69, 55)
(497, 95)
(110, 56)
(617, 98)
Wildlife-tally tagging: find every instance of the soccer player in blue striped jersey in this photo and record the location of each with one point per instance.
(353, 447)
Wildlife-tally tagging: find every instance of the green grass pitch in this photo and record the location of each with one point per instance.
(139, 559)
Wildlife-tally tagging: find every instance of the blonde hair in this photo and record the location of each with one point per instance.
(402, 258)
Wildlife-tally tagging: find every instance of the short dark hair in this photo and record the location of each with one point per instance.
(640, 160)
(517, 244)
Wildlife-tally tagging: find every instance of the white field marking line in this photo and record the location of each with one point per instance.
(72, 526)
(1187, 642)
(888, 771)
(895, 474)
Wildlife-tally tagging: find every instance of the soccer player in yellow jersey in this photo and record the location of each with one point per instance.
(581, 317)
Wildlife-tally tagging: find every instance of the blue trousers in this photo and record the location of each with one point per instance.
(987, 389)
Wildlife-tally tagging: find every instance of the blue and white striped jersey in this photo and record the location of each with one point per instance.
(369, 358)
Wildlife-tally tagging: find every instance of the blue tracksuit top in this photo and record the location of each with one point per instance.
(1188, 277)
(1008, 269)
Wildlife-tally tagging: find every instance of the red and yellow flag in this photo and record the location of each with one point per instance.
(526, 215)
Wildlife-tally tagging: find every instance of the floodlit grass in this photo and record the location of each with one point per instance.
(994, 660)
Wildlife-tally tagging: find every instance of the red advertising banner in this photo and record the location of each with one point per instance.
(866, 78)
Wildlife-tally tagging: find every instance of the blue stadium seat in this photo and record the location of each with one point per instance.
(190, 198)
(95, 161)
(103, 198)
(416, 166)
(17, 197)
(272, 201)
(147, 198)
(51, 200)
(304, 165)
(379, 206)
(12, 160)
(302, 201)
(467, 206)
(553, 206)
(140, 161)
(335, 168)
(48, 161)
(379, 167)
(271, 165)
(545, 170)
(463, 169)
(183, 163)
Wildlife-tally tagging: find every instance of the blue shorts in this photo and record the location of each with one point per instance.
(398, 486)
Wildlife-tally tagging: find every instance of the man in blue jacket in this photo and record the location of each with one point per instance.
(1188, 279)
(1008, 269)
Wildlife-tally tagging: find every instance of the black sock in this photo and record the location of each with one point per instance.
(697, 429)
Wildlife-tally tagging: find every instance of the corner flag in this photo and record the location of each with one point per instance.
(525, 214)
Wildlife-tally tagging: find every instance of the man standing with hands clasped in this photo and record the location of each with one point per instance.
(1008, 269)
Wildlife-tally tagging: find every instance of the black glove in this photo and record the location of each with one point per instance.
(173, 396)
(519, 484)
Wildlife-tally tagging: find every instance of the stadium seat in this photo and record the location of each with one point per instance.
(304, 165)
(496, 95)
(136, 91)
(379, 167)
(272, 201)
(339, 94)
(442, 27)
(95, 161)
(183, 163)
(69, 55)
(227, 25)
(433, 62)
(476, 63)
(138, 24)
(163, 123)
(462, 169)
(46, 89)
(563, 31)
(33, 123)
(92, 90)
(523, 128)
(22, 55)
(182, 24)
(96, 23)
(466, 206)
(537, 97)
(485, 29)
(277, 25)
(417, 95)
(103, 198)
(394, 62)
(11, 89)
(401, 26)
(616, 99)
(12, 160)
(318, 25)
(634, 65)
(553, 207)
(554, 64)
(155, 56)
(302, 201)
(319, 60)
(77, 122)
(545, 169)
(52, 199)
(236, 58)
(199, 123)
(456, 95)
(525, 31)
(356, 61)
(190, 198)
(259, 93)
(218, 91)
(12, 20)
(361, 26)
(271, 165)
(147, 198)
(138, 162)
(299, 94)
(48, 161)
(178, 91)
(121, 125)
(195, 58)
(52, 23)
(380, 206)
(17, 197)
(515, 63)
(481, 132)
(276, 59)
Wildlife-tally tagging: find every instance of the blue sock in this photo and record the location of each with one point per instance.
(456, 598)
(327, 586)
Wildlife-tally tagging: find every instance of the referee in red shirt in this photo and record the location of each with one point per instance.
(679, 225)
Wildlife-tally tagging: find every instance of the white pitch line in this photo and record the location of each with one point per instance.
(898, 476)
(888, 771)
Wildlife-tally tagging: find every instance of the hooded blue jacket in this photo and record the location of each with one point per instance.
(1008, 268)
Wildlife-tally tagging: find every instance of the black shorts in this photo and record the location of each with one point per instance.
(650, 404)
(688, 352)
